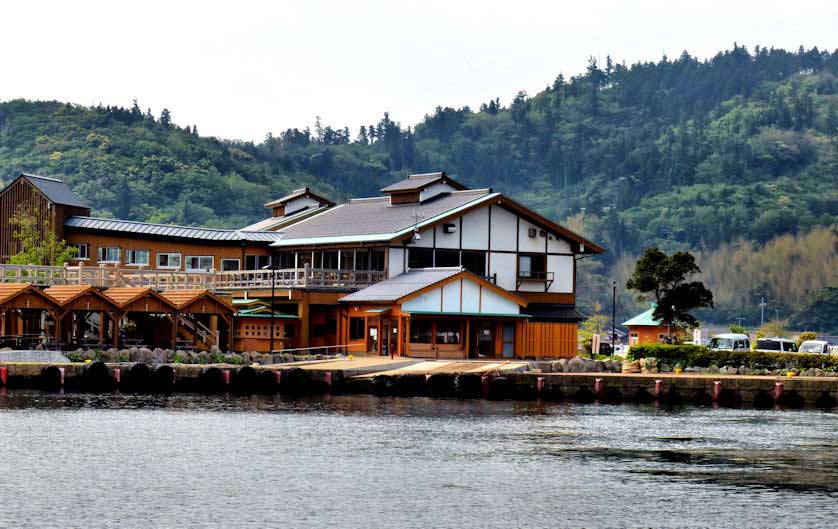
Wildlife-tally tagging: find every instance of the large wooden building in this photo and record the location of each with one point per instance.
(325, 268)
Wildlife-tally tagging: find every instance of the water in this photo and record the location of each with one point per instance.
(357, 461)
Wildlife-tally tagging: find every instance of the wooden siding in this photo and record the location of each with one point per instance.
(549, 340)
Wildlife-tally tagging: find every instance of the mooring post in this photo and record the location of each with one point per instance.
(4, 373)
(778, 391)
(226, 374)
(539, 384)
(717, 390)
(329, 378)
(61, 382)
(484, 380)
(658, 388)
(598, 386)
(117, 374)
(278, 374)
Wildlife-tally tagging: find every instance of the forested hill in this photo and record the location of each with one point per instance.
(679, 153)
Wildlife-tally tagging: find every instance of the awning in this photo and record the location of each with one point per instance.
(380, 310)
(468, 314)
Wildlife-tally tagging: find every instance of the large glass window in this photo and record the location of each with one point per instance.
(256, 262)
(200, 263)
(508, 340)
(377, 260)
(448, 331)
(284, 260)
(168, 260)
(475, 262)
(108, 254)
(330, 260)
(347, 260)
(230, 265)
(447, 258)
(137, 257)
(82, 251)
(421, 331)
(420, 258)
(356, 328)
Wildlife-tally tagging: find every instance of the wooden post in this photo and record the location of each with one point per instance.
(174, 317)
(466, 337)
(2, 323)
(101, 328)
(407, 336)
(304, 322)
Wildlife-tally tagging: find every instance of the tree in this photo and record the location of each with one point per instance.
(165, 118)
(38, 241)
(738, 329)
(666, 280)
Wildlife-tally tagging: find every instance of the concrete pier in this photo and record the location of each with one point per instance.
(411, 377)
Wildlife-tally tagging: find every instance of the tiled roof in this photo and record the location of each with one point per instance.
(375, 218)
(10, 290)
(124, 295)
(65, 293)
(413, 182)
(56, 190)
(182, 298)
(166, 230)
(297, 193)
(554, 312)
(399, 286)
(273, 223)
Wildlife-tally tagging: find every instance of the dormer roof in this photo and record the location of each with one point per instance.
(299, 193)
(418, 182)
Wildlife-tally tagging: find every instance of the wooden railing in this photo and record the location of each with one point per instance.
(104, 276)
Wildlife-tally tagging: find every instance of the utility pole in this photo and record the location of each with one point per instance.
(739, 320)
(762, 312)
(613, 315)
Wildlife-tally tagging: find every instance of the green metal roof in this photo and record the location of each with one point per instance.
(644, 319)
(243, 301)
(262, 312)
(379, 310)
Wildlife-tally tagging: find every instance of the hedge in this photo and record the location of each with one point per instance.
(700, 356)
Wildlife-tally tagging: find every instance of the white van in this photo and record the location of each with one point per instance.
(730, 342)
(819, 347)
(776, 345)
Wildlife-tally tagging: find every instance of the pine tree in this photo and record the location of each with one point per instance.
(165, 118)
(362, 136)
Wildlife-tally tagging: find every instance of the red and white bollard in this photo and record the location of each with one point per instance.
(717, 390)
(328, 378)
(658, 388)
(599, 384)
(61, 370)
(117, 374)
(278, 376)
(226, 374)
(4, 374)
(539, 384)
(778, 390)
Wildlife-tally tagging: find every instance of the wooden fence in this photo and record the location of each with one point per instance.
(549, 340)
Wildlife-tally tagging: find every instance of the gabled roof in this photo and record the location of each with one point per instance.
(275, 223)
(299, 193)
(643, 319)
(375, 219)
(417, 182)
(55, 190)
(123, 296)
(183, 298)
(416, 281)
(65, 294)
(9, 291)
(167, 230)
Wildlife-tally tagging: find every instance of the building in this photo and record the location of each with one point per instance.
(314, 265)
(643, 328)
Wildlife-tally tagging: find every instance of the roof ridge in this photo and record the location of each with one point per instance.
(51, 179)
(223, 230)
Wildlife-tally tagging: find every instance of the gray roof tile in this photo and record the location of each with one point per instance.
(413, 182)
(165, 230)
(56, 190)
(403, 284)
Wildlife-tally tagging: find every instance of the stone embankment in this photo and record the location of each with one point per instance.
(575, 379)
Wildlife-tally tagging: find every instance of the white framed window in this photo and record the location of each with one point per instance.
(108, 254)
(137, 257)
(200, 263)
(82, 251)
(169, 260)
(230, 265)
(257, 262)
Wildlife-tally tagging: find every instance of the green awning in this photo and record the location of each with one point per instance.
(249, 301)
(469, 314)
(379, 310)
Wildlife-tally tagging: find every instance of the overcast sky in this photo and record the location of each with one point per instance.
(240, 69)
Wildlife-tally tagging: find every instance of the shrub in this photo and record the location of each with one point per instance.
(700, 356)
(179, 359)
(806, 335)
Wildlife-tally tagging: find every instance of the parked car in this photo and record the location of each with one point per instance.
(820, 347)
(776, 345)
(730, 342)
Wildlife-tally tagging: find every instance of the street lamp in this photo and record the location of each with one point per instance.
(613, 316)
(272, 267)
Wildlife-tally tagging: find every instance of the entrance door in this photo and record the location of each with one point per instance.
(372, 340)
(386, 337)
(482, 343)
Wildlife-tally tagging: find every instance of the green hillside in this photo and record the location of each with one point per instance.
(683, 154)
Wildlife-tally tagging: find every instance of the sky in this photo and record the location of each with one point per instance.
(241, 69)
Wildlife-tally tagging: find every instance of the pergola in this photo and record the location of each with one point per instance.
(189, 303)
(79, 300)
(138, 300)
(19, 302)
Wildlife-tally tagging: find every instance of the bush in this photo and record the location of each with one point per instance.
(700, 356)
(806, 335)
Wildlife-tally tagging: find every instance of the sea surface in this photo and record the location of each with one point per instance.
(120, 461)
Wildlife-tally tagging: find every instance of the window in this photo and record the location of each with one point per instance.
(447, 258)
(82, 251)
(168, 260)
(356, 328)
(475, 262)
(285, 260)
(303, 259)
(421, 331)
(256, 262)
(330, 261)
(108, 254)
(508, 340)
(448, 331)
(137, 257)
(230, 265)
(420, 258)
(377, 260)
(369, 260)
(347, 260)
(532, 266)
(289, 329)
(200, 263)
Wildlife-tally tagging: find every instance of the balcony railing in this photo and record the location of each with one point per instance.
(525, 276)
(105, 277)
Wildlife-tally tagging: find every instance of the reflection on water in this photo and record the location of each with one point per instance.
(362, 461)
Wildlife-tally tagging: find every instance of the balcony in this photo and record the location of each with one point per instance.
(221, 282)
(530, 276)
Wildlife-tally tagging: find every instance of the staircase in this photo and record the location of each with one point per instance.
(187, 330)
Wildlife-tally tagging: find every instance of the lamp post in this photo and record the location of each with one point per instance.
(272, 266)
(613, 316)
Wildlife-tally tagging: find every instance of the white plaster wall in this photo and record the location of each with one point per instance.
(448, 240)
(475, 229)
(558, 245)
(505, 266)
(429, 301)
(494, 303)
(426, 241)
(451, 297)
(530, 244)
(299, 203)
(471, 296)
(396, 262)
(504, 229)
(562, 268)
(434, 190)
